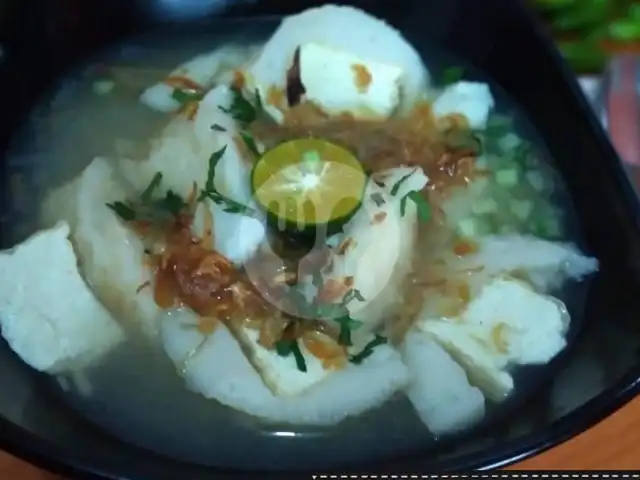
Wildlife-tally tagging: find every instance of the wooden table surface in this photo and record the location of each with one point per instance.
(612, 444)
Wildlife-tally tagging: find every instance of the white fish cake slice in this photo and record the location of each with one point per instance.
(232, 171)
(48, 314)
(377, 248)
(342, 28)
(111, 255)
(205, 70)
(548, 264)
(182, 156)
(235, 236)
(507, 324)
(340, 82)
(220, 371)
(485, 368)
(182, 151)
(280, 374)
(527, 327)
(471, 99)
(439, 389)
(178, 154)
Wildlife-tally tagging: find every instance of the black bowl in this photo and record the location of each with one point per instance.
(43, 39)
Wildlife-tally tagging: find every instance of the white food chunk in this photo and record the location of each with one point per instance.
(235, 236)
(333, 80)
(342, 28)
(548, 264)
(48, 315)
(484, 367)
(205, 70)
(219, 370)
(530, 326)
(232, 171)
(177, 154)
(380, 244)
(111, 255)
(182, 155)
(281, 374)
(182, 151)
(471, 99)
(439, 389)
(506, 324)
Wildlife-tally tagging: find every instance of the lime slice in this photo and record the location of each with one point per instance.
(308, 182)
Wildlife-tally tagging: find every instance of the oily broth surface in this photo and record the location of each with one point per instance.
(136, 394)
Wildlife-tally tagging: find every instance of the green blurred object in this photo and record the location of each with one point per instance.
(583, 56)
(586, 14)
(625, 29)
(588, 31)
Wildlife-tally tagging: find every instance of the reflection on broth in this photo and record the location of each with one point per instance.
(312, 234)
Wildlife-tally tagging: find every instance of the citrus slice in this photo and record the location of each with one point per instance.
(308, 182)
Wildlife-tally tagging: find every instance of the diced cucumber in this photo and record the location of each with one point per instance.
(507, 229)
(507, 177)
(472, 227)
(551, 227)
(522, 208)
(103, 87)
(484, 206)
(482, 162)
(547, 226)
(509, 142)
(536, 180)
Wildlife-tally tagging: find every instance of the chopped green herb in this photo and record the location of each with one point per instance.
(353, 294)
(215, 157)
(347, 325)
(103, 87)
(284, 348)
(186, 96)
(336, 312)
(148, 209)
(218, 128)
(368, 349)
(171, 202)
(124, 211)
(451, 75)
(258, 101)
(339, 313)
(229, 205)
(297, 354)
(398, 184)
(147, 194)
(210, 191)
(251, 144)
(241, 109)
(424, 210)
